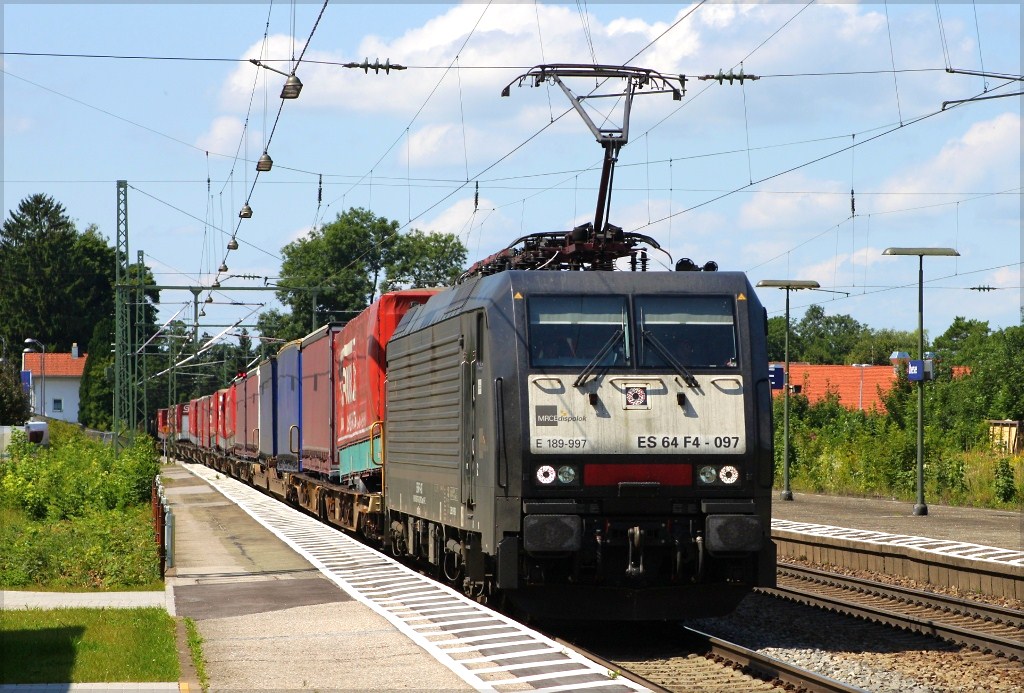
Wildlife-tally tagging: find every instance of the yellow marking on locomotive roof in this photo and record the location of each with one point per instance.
(517, 295)
(741, 297)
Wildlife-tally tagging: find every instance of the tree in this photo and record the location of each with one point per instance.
(777, 340)
(96, 391)
(422, 260)
(59, 281)
(962, 340)
(827, 338)
(15, 408)
(876, 346)
(338, 269)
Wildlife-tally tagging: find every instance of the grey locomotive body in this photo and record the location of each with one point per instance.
(585, 444)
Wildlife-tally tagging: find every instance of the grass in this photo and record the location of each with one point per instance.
(105, 550)
(195, 646)
(87, 646)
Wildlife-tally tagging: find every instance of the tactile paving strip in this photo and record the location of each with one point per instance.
(941, 547)
(486, 649)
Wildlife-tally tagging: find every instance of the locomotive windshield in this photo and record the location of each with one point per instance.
(665, 332)
(573, 330)
(698, 331)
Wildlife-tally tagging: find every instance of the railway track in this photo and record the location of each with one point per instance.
(986, 628)
(668, 657)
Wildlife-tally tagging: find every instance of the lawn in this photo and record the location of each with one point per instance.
(87, 645)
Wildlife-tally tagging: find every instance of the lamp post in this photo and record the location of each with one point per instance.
(920, 508)
(860, 393)
(42, 372)
(788, 285)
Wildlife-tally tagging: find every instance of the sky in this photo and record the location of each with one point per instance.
(755, 176)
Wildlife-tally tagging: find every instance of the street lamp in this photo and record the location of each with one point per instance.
(788, 285)
(860, 394)
(42, 372)
(920, 508)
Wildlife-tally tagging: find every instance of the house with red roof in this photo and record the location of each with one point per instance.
(55, 381)
(859, 386)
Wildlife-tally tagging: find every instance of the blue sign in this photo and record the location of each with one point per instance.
(26, 382)
(776, 376)
(915, 370)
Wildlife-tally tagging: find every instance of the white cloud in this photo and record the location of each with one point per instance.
(222, 136)
(989, 151)
(14, 125)
(450, 144)
(795, 203)
(1006, 277)
(298, 234)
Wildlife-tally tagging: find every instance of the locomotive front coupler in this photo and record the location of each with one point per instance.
(635, 560)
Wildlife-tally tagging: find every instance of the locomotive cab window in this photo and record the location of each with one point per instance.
(696, 331)
(571, 331)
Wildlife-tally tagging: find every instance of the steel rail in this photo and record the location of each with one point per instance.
(900, 607)
(762, 665)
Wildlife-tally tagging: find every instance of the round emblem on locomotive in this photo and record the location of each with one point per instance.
(636, 396)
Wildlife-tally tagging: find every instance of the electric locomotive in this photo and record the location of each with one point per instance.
(588, 444)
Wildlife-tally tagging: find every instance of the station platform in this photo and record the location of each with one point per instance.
(972, 550)
(997, 528)
(268, 618)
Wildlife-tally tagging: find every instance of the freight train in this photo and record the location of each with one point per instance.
(590, 444)
(562, 431)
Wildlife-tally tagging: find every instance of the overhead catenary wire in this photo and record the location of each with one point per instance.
(419, 110)
(379, 180)
(805, 164)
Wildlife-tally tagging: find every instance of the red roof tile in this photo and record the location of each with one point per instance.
(56, 365)
(857, 386)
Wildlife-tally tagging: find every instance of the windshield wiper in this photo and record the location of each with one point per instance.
(616, 336)
(667, 355)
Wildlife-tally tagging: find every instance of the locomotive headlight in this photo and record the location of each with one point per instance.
(545, 474)
(729, 474)
(708, 474)
(566, 474)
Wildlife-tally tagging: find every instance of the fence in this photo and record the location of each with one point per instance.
(163, 526)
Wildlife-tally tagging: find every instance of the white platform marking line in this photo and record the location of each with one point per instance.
(477, 647)
(882, 538)
(617, 684)
(478, 638)
(292, 519)
(553, 675)
(525, 665)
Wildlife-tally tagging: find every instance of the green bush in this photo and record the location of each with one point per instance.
(851, 452)
(77, 516)
(1006, 489)
(76, 476)
(109, 549)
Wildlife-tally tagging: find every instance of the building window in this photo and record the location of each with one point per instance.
(58, 405)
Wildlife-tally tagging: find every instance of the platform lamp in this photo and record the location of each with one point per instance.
(292, 86)
(920, 508)
(788, 285)
(42, 372)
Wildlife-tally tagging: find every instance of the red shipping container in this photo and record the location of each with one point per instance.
(226, 430)
(361, 358)
(194, 429)
(317, 422)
